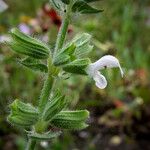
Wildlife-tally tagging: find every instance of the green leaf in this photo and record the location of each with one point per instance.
(58, 4)
(81, 39)
(66, 1)
(65, 55)
(54, 106)
(78, 66)
(24, 44)
(73, 120)
(82, 7)
(61, 59)
(68, 49)
(44, 136)
(83, 47)
(20, 121)
(34, 64)
(25, 108)
(23, 114)
(78, 115)
(83, 51)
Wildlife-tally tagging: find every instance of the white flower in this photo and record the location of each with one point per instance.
(107, 61)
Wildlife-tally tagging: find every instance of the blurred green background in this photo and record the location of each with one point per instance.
(120, 114)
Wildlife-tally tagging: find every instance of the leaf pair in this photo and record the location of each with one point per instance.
(54, 114)
(24, 44)
(80, 6)
(71, 56)
(23, 114)
(56, 103)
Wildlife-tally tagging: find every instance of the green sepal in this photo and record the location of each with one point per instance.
(34, 64)
(66, 1)
(44, 136)
(24, 44)
(82, 42)
(83, 8)
(77, 66)
(20, 121)
(54, 106)
(81, 39)
(72, 120)
(83, 51)
(23, 114)
(61, 59)
(65, 55)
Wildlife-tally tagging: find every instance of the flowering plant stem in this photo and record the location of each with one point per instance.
(48, 84)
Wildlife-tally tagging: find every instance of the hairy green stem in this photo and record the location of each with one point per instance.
(48, 84)
(63, 31)
(45, 92)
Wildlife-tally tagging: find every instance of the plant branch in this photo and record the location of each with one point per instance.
(52, 71)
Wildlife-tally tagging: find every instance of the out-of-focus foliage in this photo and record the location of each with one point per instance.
(120, 113)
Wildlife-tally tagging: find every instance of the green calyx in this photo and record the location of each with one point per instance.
(72, 120)
(23, 114)
(71, 56)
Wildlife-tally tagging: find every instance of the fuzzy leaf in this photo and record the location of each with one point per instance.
(24, 44)
(58, 4)
(61, 59)
(77, 66)
(73, 120)
(78, 115)
(65, 55)
(23, 114)
(80, 39)
(34, 64)
(21, 121)
(82, 7)
(82, 43)
(25, 108)
(83, 51)
(68, 49)
(45, 136)
(54, 106)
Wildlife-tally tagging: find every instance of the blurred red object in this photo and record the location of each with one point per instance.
(53, 15)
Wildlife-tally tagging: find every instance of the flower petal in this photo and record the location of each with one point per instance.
(100, 80)
(107, 61)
